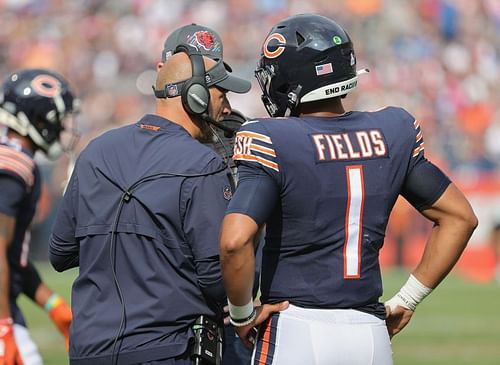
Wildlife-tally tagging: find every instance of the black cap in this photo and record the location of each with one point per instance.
(206, 40)
(219, 76)
(216, 76)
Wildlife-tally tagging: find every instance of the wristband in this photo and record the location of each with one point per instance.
(245, 321)
(240, 312)
(54, 301)
(410, 295)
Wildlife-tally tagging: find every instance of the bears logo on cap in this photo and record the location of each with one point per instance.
(206, 40)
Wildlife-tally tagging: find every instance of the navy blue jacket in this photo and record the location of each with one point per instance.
(166, 250)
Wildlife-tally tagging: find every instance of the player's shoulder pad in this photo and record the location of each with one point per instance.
(16, 163)
(401, 115)
(253, 143)
(397, 113)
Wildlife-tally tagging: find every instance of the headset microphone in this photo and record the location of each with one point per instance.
(228, 131)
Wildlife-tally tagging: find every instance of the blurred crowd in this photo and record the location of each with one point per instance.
(438, 58)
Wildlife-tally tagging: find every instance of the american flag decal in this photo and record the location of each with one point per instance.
(324, 69)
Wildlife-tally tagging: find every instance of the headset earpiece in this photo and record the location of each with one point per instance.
(194, 94)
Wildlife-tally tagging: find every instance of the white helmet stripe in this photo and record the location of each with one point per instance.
(333, 90)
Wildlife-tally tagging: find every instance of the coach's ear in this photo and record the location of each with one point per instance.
(159, 65)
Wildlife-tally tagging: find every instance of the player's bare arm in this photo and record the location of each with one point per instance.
(7, 224)
(454, 221)
(237, 257)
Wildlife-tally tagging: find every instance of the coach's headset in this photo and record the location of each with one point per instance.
(194, 92)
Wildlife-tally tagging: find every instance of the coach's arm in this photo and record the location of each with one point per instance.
(64, 249)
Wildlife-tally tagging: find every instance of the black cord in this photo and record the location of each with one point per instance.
(112, 258)
(227, 152)
(127, 195)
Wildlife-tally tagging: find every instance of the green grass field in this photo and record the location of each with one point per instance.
(458, 324)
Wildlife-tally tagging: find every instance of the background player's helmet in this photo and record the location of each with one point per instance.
(305, 58)
(34, 103)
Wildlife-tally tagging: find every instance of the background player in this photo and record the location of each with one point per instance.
(324, 181)
(33, 109)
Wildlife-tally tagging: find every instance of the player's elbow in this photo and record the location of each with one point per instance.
(470, 221)
(230, 246)
(237, 232)
(464, 222)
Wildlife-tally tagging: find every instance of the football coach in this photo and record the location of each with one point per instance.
(141, 217)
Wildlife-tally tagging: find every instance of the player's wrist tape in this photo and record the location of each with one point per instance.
(241, 315)
(410, 295)
(54, 301)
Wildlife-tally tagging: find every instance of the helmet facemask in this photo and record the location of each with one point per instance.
(280, 101)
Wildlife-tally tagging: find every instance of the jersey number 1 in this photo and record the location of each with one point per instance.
(353, 221)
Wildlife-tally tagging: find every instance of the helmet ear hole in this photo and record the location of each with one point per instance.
(300, 38)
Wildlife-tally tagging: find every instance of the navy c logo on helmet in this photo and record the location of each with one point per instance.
(279, 44)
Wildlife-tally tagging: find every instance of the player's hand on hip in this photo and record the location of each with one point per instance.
(60, 314)
(9, 354)
(248, 333)
(397, 317)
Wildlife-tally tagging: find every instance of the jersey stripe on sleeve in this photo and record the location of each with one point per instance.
(255, 147)
(18, 163)
(419, 139)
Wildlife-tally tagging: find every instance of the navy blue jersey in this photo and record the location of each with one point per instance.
(166, 249)
(20, 191)
(331, 185)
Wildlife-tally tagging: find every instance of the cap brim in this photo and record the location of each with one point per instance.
(234, 84)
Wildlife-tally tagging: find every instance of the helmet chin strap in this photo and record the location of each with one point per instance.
(293, 100)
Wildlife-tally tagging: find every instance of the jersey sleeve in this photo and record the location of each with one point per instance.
(255, 196)
(18, 165)
(424, 185)
(418, 148)
(12, 194)
(424, 182)
(254, 147)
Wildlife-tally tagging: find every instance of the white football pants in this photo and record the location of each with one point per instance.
(301, 336)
